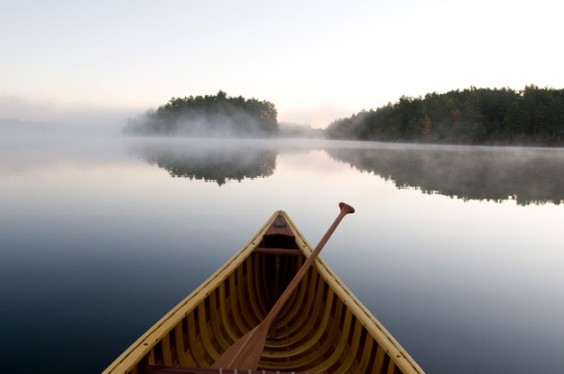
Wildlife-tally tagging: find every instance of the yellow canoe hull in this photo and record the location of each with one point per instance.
(323, 328)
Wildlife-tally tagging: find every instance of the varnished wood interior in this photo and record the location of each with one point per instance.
(321, 328)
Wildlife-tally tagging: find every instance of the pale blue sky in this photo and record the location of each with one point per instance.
(316, 60)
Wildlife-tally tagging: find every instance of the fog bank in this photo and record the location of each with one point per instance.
(20, 117)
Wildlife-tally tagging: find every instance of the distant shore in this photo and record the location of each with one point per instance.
(476, 116)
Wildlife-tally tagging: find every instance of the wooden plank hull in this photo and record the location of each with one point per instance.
(322, 329)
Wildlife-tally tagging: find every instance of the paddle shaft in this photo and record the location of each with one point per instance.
(273, 314)
(247, 351)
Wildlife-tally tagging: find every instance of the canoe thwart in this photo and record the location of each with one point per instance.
(279, 251)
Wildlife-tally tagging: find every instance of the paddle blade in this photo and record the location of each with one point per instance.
(246, 352)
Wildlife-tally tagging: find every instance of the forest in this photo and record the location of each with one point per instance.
(209, 115)
(532, 116)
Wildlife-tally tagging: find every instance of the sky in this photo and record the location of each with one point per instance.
(317, 61)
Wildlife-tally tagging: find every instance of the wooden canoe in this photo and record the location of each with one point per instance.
(323, 327)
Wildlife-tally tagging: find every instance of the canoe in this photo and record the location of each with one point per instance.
(323, 327)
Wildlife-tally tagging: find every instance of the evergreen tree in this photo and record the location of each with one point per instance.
(210, 115)
(471, 116)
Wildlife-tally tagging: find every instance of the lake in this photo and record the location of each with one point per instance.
(457, 250)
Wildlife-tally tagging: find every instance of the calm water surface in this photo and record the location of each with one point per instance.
(457, 250)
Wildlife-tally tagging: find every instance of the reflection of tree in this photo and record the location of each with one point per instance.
(212, 161)
(528, 176)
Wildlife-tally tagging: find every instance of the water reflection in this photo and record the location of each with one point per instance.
(210, 160)
(527, 176)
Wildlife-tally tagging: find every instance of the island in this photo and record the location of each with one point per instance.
(208, 116)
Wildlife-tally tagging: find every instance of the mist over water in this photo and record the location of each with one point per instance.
(20, 119)
(198, 126)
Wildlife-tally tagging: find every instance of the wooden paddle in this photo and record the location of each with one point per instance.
(246, 352)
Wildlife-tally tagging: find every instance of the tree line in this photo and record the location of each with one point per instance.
(209, 115)
(532, 116)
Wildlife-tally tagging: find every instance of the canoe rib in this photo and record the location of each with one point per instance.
(323, 327)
